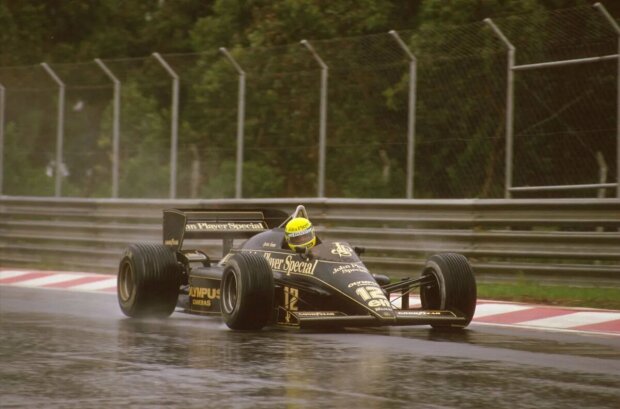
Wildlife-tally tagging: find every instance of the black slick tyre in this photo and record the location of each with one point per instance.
(451, 286)
(247, 292)
(148, 281)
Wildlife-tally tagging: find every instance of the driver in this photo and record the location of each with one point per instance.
(299, 233)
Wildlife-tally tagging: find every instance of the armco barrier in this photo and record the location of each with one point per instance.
(573, 240)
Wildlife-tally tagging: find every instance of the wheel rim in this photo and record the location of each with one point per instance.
(126, 285)
(430, 294)
(229, 296)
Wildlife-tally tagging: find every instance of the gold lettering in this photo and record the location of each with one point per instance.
(289, 265)
(201, 292)
(291, 295)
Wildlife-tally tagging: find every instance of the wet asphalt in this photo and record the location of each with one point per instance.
(61, 349)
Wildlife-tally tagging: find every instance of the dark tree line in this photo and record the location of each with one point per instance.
(461, 95)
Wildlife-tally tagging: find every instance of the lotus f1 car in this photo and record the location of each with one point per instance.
(263, 283)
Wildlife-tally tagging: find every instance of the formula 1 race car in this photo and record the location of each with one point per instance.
(263, 282)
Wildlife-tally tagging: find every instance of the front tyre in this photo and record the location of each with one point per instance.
(451, 286)
(247, 292)
(148, 281)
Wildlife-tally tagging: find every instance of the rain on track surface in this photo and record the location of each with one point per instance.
(61, 349)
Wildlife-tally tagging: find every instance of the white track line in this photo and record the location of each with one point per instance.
(50, 279)
(575, 319)
(486, 309)
(535, 328)
(12, 273)
(397, 301)
(96, 285)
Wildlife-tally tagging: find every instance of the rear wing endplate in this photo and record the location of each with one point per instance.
(181, 224)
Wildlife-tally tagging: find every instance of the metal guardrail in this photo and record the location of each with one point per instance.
(573, 240)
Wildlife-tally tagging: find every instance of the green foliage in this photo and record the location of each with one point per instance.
(144, 145)
(459, 12)
(259, 181)
(20, 180)
(260, 23)
(75, 30)
(460, 94)
(533, 292)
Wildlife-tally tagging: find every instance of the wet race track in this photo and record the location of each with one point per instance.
(62, 349)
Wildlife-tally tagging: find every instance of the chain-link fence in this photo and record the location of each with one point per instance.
(566, 107)
(520, 105)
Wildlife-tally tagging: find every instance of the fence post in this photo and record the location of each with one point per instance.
(616, 28)
(115, 125)
(1, 138)
(509, 106)
(174, 132)
(410, 114)
(240, 123)
(323, 118)
(60, 127)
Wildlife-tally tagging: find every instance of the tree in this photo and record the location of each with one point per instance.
(461, 93)
(144, 147)
(283, 82)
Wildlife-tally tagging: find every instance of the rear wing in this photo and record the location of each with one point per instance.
(181, 224)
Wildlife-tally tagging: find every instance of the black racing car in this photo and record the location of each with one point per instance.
(262, 282)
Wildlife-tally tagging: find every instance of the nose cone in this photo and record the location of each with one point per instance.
(372, 297)
(387, 315)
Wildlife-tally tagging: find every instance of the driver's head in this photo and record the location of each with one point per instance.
(299, 233)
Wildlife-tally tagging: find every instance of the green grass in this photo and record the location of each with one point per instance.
(593, 297)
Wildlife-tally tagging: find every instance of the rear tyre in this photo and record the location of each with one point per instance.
(148, 281)
(247, 292)
(452, 286)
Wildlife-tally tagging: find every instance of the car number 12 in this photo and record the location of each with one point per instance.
(373, 296)
(291, 296)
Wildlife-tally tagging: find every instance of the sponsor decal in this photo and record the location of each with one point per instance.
(289, 265)
(425, 313)
(361, 283)
(302, 314)
(350, 268)
(204, 296)
(224, 227)
(269, 244)
(171, 242)
(342, 250)
(374, 297)
(204, 292)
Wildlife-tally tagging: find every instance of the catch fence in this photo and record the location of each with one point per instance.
(510, 106)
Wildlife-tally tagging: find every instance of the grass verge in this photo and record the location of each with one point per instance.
(592, 297)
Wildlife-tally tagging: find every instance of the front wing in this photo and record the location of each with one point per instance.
(336, 319)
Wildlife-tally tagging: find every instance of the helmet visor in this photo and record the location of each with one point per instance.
(301, 237)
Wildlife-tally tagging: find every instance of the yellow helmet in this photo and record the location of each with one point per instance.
(299, 233)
